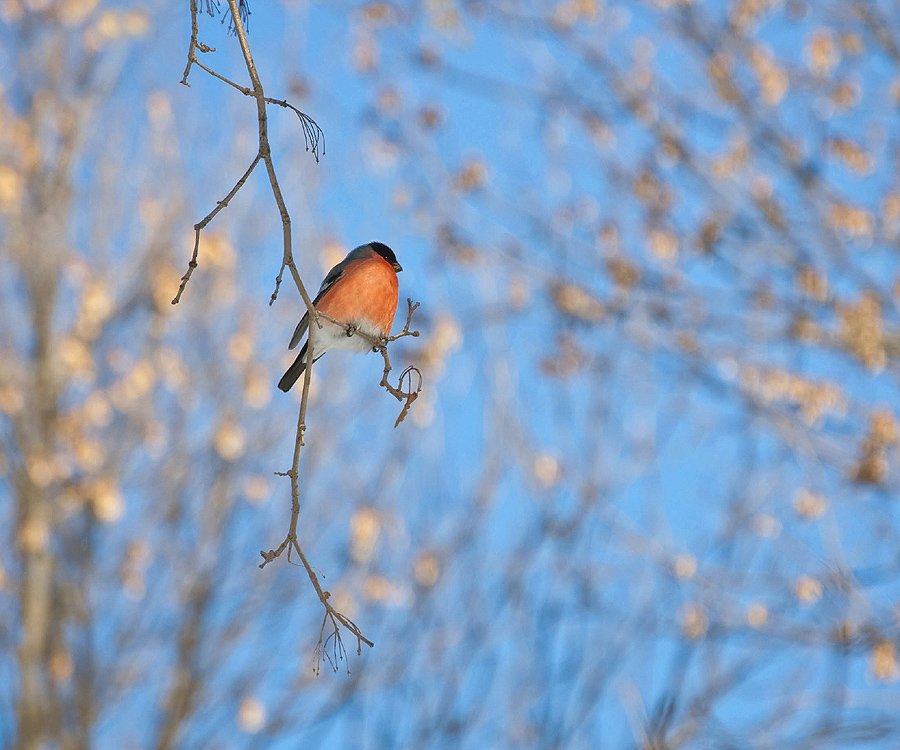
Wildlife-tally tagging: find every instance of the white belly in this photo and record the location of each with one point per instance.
(330, 336)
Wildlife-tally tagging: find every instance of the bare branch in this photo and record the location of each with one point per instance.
(380, 345)
(314, 137)
(312, 134)
(202, 224)
(192, 58)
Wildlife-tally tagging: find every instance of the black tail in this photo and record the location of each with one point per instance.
(294, 371)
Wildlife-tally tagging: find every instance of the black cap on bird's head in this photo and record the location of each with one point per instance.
(385, 252)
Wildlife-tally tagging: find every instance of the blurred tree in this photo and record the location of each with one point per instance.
(129, 437)
(648, 496)
(674, 222)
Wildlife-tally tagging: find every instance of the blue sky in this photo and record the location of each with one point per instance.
(597, 423)
(583, 524)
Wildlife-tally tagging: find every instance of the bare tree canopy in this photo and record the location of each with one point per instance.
(647, 494)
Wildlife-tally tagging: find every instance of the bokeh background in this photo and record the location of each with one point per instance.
(648, 496)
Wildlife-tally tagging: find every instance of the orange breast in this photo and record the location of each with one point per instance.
(367, 292)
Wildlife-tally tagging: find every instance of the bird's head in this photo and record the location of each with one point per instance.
(385, 252)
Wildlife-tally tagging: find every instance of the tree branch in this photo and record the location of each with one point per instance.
(202, 224)
(288, 262)
(314, 137)
(380, 345)
(192, 57)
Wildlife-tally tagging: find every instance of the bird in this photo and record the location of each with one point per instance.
(361, 292)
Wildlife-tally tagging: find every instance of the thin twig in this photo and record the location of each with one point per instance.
(288, 262)
(409, 396)
(198, 227)
(312, 133)
(380, 345)
(192, 57)
(324, 597)
(243, 89)
(194, 46)
(314, 136)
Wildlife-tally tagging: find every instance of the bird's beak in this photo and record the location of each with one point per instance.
(397, 267)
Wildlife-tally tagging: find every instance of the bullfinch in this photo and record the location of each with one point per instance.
(360, 291)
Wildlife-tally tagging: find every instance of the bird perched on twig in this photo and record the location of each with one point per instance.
(360, 292)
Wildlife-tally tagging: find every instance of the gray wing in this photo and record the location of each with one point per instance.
(330, 279)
